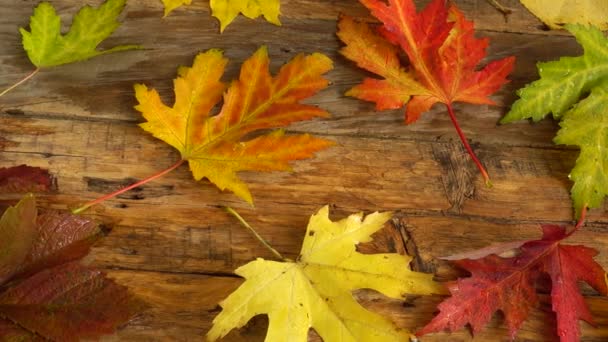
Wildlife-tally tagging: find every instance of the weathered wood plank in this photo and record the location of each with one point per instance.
(414, 175)
(486, 16)
(168, 237)
(457, 234)
(198, 296)
(111, 77)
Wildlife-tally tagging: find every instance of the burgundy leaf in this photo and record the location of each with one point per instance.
(9, 331)
(23, 178)
(62, 237)
(45, 292)
(69, 302)
(54, 238)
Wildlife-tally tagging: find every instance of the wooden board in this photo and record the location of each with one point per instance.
(171, 242)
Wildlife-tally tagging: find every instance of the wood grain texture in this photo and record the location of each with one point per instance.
(171, 242)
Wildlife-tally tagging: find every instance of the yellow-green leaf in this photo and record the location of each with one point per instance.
(562, 83)
(47, 47)
(574, 90)
(215, 146)
(316, 290)
(557, 13)
(586, 126)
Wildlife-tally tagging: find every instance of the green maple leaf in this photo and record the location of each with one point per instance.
(316, 289)
(563, 82)
(586, 126)
(584, 122)
(46, 46)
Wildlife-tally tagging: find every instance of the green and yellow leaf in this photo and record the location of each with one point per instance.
(47, 47)
(561, 90)
(563, 82)
(586, 126)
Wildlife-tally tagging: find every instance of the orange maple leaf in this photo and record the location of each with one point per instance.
(215, 146)
(442, 50)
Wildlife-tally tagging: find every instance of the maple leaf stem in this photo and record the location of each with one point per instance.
(125, 189)
(23, 80)
(581, 220)
(255, 233)
(465, 142)
(501, 8)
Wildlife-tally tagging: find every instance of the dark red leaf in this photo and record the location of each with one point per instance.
(11, 332)
(45, 292)
(508, 285)
(23, 178)
(32, 242)
(69, 302)
(62, 237)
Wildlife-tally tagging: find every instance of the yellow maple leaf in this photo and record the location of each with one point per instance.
(214, 145)
(226, 10)
(170, 5)
(556, 13)
(316, 289)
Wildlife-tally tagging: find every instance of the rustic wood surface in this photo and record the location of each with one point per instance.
(171, 243)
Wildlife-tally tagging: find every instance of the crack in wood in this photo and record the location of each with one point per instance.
(458, 175)
(100, 185)
(410, 246)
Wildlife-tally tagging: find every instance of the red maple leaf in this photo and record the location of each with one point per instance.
(44, 292)
(443, 54)
(509, 285)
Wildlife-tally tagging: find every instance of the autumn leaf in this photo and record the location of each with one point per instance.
(443, 54)
(562, 83)
(226, 10)
(17, 233)
(586, 126)
(508, 285)
(10, 332)
(575, 90)
(43, 291)
(23, 178)
(557, 13)
(47, 47)
(67, 303)
(170, 5)
(316, 289)
(32, 241)
(216, 147)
